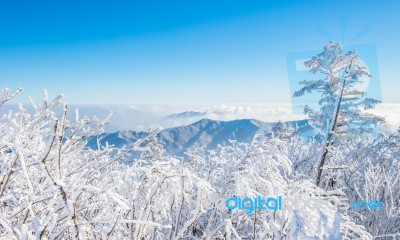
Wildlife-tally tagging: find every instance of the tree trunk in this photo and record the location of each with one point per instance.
(329, 138)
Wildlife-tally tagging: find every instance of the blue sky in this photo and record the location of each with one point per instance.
(183, 52)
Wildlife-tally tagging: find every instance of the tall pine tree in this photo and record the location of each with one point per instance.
(342, 105)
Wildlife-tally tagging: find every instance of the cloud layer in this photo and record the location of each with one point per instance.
(146, 117)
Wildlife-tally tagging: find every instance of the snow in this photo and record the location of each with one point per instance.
(53, 186)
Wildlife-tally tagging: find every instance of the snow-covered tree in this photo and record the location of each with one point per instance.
(53, 186)
(342, 105)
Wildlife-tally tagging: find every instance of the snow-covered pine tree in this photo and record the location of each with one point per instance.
(342, 105)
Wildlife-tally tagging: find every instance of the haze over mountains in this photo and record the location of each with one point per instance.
(193, 129)
(189, 127)
(145, 117)
(205, 134)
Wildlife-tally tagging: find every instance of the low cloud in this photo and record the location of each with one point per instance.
(146, 117)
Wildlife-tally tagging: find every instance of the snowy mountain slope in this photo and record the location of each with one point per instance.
(204, 134)
(208, 133)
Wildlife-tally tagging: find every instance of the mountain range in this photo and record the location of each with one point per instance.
(205, 134)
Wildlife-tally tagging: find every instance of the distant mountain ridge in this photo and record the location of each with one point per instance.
(206, 134)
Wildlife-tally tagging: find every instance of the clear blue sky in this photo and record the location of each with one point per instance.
(209, 51)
